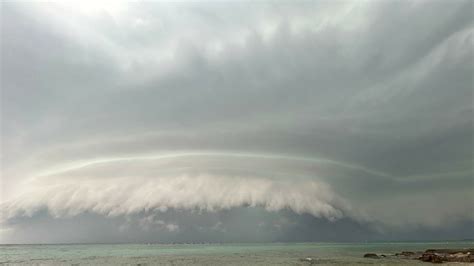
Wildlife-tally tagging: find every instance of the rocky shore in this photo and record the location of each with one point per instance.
(431, 255)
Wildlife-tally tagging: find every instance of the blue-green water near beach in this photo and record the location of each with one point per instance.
(214, 254)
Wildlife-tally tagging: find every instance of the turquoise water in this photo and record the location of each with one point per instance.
(213, 254)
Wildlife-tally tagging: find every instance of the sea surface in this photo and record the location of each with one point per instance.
(215, 254)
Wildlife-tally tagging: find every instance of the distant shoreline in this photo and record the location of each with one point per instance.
(252, 243)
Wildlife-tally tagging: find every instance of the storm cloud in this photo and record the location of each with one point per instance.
(312, 116)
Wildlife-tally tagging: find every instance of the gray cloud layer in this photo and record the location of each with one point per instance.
(349, 111)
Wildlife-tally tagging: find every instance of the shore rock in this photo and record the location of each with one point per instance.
(371, 255)
(450, 251)
(432, 255)
(407, 253)
(448, 255)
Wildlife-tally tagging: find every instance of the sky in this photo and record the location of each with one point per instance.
(236, 121)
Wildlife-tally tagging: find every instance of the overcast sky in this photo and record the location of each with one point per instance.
(240, 121)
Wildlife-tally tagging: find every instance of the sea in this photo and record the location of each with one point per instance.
(217, 254)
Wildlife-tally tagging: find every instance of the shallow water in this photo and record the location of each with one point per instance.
(213, 254)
